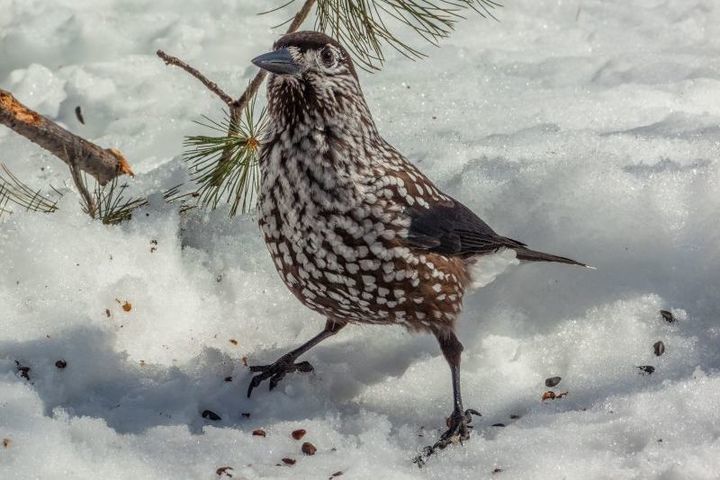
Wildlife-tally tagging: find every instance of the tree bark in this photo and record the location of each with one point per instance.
(102, 163)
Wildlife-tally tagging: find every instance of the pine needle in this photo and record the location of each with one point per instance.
(360, 24)
(15, 191)
(237, 180)
(114, 207)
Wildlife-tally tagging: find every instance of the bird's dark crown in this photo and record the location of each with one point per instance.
(305, 40)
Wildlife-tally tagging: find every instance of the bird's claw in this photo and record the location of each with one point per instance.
(276, 372)
(459, 427)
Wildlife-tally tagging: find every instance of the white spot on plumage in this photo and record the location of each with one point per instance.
(370, 265)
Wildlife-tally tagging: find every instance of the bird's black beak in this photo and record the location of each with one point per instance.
(280, 62)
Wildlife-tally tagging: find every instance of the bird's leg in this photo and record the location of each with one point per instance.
(459, 422)
(286, 364)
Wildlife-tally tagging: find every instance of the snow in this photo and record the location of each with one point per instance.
(585, 128)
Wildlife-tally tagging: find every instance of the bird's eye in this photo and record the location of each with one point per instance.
(327, 56)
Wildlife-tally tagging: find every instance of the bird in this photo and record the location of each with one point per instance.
(356, 231)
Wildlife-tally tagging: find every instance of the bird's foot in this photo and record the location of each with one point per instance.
(276, 372)
(459, 427)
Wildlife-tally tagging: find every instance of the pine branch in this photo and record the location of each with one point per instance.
(235, 181)
(237, 107)
(360, 25)
(241, 103)
(109, 202)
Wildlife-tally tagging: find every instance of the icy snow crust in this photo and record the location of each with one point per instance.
(587, 129)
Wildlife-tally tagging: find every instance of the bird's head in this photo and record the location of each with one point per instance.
(312, 79)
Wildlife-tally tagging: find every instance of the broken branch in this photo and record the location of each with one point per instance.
(103, 164)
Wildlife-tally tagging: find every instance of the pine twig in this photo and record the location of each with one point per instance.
(114, 207)
(360, 25)
(103, 164)
(13, 190)
(237, 107)
(89, 202)
(109, 203)
(234, 182)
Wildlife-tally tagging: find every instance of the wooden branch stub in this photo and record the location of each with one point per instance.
(103, 164)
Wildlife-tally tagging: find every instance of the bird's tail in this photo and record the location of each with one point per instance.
(525, 254)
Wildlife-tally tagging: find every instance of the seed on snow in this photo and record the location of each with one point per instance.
(224, 471)
(308, 448)
(210, 415)
(552, 381)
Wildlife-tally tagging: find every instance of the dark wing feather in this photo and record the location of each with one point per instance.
(450, 228)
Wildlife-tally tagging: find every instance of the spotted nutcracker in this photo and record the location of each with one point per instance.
(356, 231)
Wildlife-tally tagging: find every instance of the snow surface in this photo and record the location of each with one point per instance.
(586, 128)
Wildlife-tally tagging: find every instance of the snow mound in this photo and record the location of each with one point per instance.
(587, 129)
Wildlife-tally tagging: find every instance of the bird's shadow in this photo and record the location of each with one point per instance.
(81, 372)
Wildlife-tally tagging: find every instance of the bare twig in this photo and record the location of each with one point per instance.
(212, 86)
(103, 164)
(84, 193)
(82, 188)
(301, 16)
(237, 106)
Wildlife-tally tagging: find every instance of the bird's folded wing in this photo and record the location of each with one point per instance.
(450, 228)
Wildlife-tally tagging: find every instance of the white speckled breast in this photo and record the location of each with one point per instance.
(334, 225)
